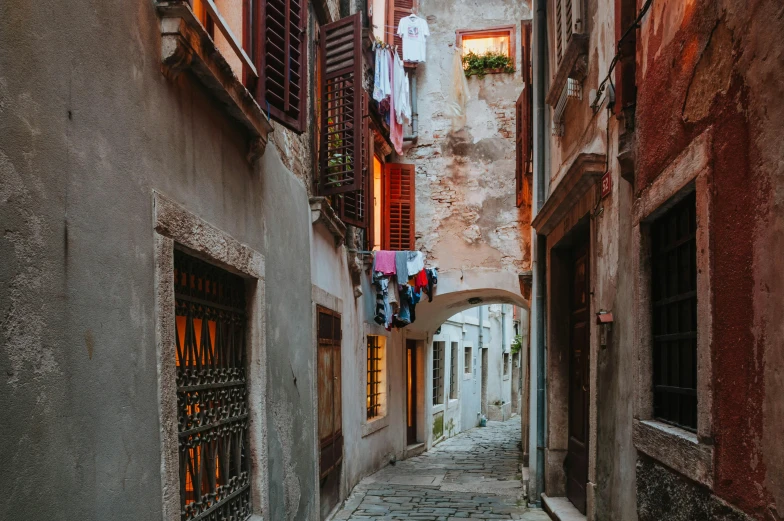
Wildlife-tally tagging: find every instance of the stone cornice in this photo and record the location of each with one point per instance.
(582, 174)
(322, 212)
(186, 46)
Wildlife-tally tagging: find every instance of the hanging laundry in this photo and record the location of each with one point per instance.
(384, 262)
(402, 93)
(401, 266)
(381, 83)
(395, 128)
(432, 280)
(415, 263)
(420, 281)
(414, 31)
(458, 94)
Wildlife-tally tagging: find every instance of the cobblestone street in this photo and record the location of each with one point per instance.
(474, 475)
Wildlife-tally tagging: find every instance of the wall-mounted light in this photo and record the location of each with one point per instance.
(605, 321)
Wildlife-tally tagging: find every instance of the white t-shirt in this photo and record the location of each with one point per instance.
(413, 30)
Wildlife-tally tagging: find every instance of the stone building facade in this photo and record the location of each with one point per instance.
(155, 205)
(658, 209)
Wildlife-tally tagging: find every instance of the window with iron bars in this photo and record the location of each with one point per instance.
(453, 371)
(674, 307)
(375, 355)
(438, 373)
(212, 391)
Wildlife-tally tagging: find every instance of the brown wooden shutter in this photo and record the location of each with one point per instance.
(397, 9)
(355, 207)
(399, 207)
(524, 136)
(559, 29)
(340, 149)
(283, 63)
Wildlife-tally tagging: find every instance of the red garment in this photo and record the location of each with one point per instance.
(420, 281)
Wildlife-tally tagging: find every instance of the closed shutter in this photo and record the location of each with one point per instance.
(283, 67)
(340, 149)
(399, 201)
(559, 29)
(519, 140)
(354, 207)
(397, 9)
(568, 20)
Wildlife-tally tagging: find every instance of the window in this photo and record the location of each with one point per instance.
(453, 358)
(467, 359)
(506, 364)
(265, 44)
(567, 21)
(674, 306)
(375, 376)
(498, 40)
(438, 373)
(212, 390)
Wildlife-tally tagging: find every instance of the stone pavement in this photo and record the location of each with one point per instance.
(474, 475)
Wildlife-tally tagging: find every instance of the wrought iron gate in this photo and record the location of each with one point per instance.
(212, 392)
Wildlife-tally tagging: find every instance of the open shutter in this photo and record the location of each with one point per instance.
(524, 136)
(399, 202)
(283, 69)
(397, 9)
(355, 207)
(519, 140)
(340, 149)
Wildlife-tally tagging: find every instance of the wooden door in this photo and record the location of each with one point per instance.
(411, 394)
(577, 457)
(330, 419)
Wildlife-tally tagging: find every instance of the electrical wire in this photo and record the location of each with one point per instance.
(633, 27)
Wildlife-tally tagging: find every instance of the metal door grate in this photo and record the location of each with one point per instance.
(212, 391)
(373, 377)
(674, 280)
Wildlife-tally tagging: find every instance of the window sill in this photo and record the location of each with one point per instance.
(438, 408)
(574, 64)
(452, 403)
(375, 425)
(677, 448)
(467, 376)
(186, 46)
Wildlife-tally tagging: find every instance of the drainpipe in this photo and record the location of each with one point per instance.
(538, 361)
(414, 137)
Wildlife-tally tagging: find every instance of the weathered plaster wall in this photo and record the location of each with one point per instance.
(718, 64)
(466, 214)
(89, 127)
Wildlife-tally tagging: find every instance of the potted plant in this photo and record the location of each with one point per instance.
(488, 63)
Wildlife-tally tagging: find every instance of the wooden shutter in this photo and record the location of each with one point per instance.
(524, 135)
(355, 207)
(399, 206)
(559, 30)
(340, 149)
(397, 9)
(283, 67)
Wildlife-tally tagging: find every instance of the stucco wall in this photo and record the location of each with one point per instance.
(89, 128)
(717, 65)
(466, 214)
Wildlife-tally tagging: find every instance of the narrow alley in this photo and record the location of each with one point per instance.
(476, 475)
(346, 260)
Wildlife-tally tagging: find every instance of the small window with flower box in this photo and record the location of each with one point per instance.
(487, 51)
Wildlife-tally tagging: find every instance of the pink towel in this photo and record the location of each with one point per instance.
(384, 261)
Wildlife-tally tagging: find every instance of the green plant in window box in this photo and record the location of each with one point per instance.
(487, 63)
(517, 344)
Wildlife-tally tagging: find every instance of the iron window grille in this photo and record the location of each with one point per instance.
(212, 391)
(674, 307)
(373, 377)
(438, 373)
(467, 361)
(453, 372)
(506, 364)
